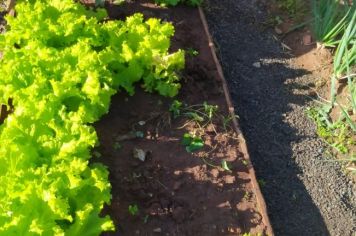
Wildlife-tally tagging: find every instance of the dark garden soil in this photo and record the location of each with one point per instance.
(306, 192)
(176, 192)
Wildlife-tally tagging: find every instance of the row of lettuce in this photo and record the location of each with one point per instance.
(61, 64)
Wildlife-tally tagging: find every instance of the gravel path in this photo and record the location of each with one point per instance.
(306, 194)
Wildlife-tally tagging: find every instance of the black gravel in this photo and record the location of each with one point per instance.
(306, 193)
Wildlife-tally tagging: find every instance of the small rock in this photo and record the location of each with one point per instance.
(137, 232)
(225, 205)
(278, 30)
(307, 39)
(155, 209)
(142, 122)
(139, 154)
(257, 64)
(157, 230)
(229, 179)
(214, 173)
(210, 128)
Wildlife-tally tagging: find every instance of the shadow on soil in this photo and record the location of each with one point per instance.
(261, 84)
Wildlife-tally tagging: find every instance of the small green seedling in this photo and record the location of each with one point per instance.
(192, 143)
(175, 108)
(249, 234)
(262, 182)
(335, 133)
(195, 116)
(145, 219)
(192, 52)
(199, 113)
(117, 146)
(118, 2)
(226, 120)
(139, 134)
(225, 165)
(247, 196)
(133, 209)
(210, 109)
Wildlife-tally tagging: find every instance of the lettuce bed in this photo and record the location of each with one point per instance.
(61, 64)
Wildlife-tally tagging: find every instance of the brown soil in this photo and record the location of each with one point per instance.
(305, 52)
(316, 60)
(177, 193)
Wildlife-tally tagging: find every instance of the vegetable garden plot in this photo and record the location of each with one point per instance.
(174, 191)
(174, 166)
